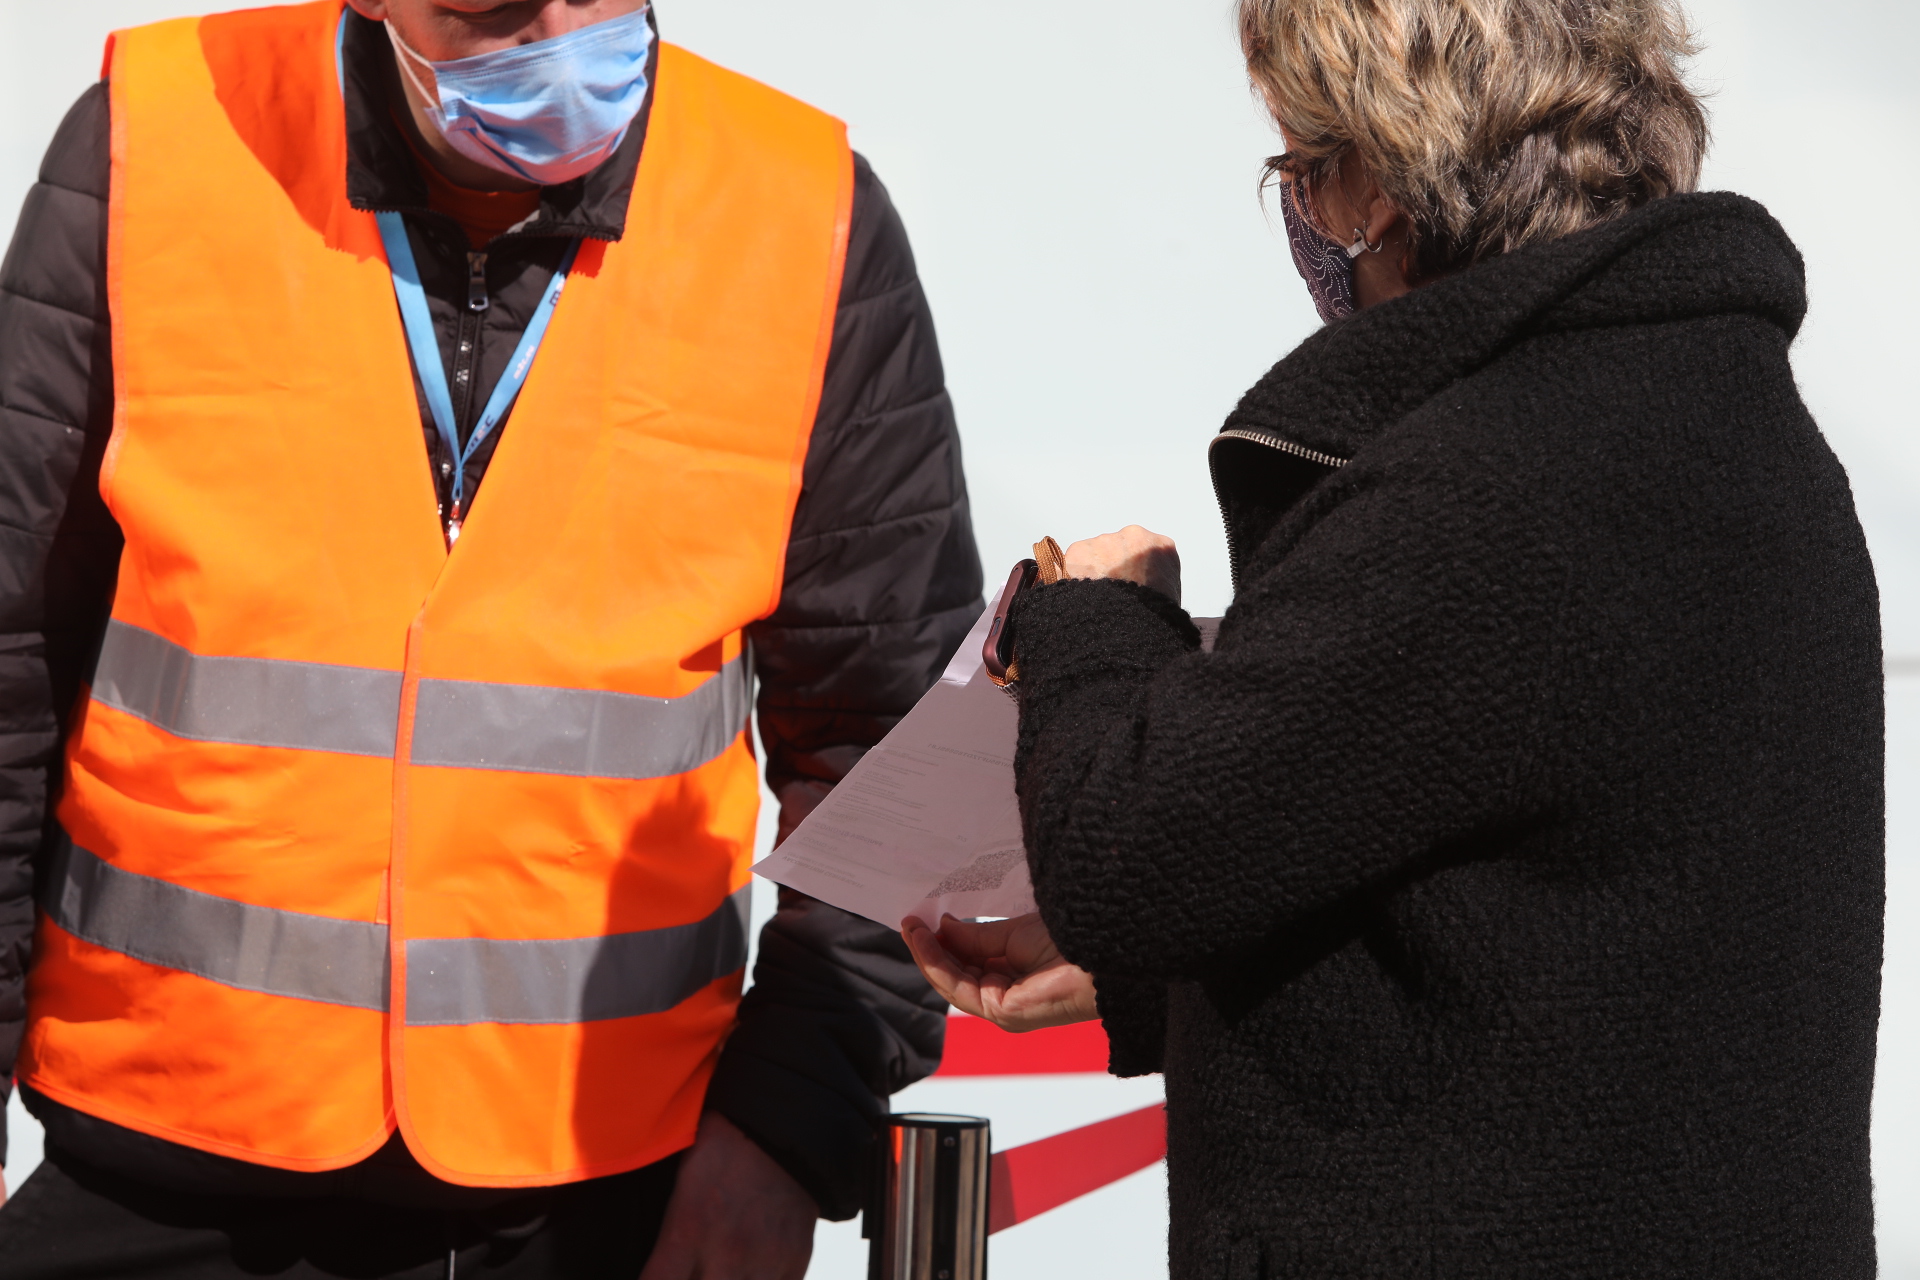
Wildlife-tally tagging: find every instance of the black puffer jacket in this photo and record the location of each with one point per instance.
(882, 581)
(1503, 895)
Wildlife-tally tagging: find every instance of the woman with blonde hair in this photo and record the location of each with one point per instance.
(1501, 894)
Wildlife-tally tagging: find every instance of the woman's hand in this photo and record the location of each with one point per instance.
(1006, 971)
(1135, 554)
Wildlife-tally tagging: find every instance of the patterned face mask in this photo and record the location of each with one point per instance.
(1324, 263)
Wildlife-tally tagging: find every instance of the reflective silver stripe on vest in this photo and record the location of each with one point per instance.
(460, 981)
(278, 953)
(450, 981)
(583, 733)
(266, 702)
(255, 702)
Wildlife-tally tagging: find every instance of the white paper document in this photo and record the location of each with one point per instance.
(927, 823)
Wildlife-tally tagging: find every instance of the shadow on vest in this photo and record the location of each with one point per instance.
(680, 839)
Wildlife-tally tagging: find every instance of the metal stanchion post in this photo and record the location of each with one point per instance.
(928, 1215)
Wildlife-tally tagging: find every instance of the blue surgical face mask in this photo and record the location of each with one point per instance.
(545, 112)
(1324, 263)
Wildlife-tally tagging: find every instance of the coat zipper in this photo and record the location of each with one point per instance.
(1272, 442)
(466, 347)
(1285, 446)
(468, 324)
(477, 299)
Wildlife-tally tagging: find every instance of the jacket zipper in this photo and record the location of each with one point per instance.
(467, 327)
(1272, 442)
(466, 347)
(477, 299)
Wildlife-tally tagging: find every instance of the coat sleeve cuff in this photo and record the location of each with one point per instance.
(1086, 628)
(1134, 1013)
(820, 1136)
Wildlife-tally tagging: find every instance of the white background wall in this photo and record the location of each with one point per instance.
(1079, 181)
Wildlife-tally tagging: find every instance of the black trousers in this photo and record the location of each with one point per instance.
(70, 1221)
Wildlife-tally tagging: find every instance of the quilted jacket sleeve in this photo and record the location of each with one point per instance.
(59, 549)
(883, 581)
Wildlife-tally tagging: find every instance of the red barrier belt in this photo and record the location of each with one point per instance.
(1027, 1181)
(975, 1047)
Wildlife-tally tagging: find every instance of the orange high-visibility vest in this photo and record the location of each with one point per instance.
(361, 833)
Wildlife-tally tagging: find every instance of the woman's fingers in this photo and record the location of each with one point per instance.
(979, 942)
(1006, 971)
(1029, 945)
(1052, 996)
(956, 984)
(1016, 946)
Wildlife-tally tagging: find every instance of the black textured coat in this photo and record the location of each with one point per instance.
(1503, 895)
(882, 580)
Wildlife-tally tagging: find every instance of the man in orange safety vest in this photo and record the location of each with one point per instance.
(390, 838)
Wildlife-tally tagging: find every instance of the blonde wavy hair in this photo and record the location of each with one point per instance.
(1490, 124)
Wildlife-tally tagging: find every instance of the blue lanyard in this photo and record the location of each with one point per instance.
(426, 347)
(433, 372)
